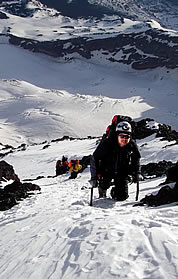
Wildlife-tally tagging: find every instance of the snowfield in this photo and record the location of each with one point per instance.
(56, 234)
(68, 98)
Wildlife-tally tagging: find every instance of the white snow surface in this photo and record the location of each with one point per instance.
(56, 234)
(43, 99)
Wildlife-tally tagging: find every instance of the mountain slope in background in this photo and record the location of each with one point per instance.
(163, 11)
(111, 39)
(110, 56)
(67, 98)
(79, 8)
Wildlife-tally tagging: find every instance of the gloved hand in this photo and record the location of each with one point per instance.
(93, 182)
(130, 179)
(137, 177)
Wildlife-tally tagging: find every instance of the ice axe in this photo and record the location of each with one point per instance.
(91, 197)
(137, 189)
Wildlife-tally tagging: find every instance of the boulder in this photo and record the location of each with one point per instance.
(156, 169)
(165, 195)
(172, 174)
(7, 172)
(142, 130)
(14, 192)
(166, 132)
(3, 16)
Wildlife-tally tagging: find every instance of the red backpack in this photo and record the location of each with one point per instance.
(110, 130)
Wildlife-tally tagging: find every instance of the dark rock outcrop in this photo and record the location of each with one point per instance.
(165, 195)
(166, 132)
(172, 174)
(142, 130)
(3, 16)
(163, 131)
(142, 46)
(6, 150)
(7, 172)
(18, 8)
(156, 169)
(143, 50)
(14, 192)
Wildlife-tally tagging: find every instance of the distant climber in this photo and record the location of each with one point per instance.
(74, 168)
(61, 166)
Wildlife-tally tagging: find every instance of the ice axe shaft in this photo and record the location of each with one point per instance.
(137, 190)
(91, 197)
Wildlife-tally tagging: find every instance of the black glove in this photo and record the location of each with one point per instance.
(137, 177)
(93, 182)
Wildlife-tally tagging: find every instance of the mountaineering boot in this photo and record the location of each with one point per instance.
(102, 192)
(118, 196)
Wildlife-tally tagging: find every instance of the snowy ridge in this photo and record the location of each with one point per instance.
(47, 24)
(59, 113)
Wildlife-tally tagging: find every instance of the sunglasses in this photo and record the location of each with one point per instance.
(124, 136)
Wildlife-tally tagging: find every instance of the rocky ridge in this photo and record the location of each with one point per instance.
(140, 46)
(143, 50)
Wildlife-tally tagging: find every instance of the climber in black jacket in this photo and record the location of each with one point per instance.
(116, 158)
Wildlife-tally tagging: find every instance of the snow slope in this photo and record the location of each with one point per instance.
(56, 234)
(79, 92)
(68, 98)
